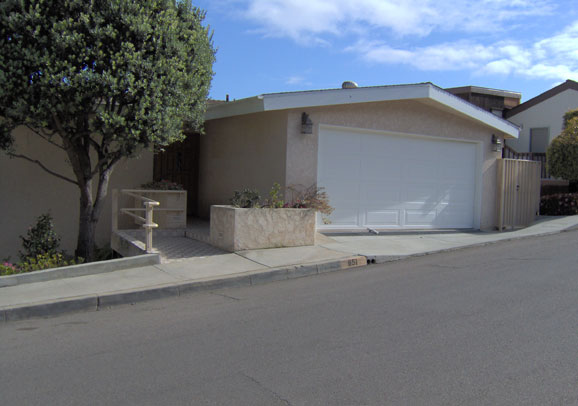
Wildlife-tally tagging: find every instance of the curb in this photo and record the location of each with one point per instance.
(95, 302)
(72, 271)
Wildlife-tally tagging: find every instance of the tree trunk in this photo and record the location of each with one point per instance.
(86, 224)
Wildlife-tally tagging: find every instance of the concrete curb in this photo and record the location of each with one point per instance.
(72, 271)
(99, 301)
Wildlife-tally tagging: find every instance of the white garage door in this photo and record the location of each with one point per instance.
(392, 181)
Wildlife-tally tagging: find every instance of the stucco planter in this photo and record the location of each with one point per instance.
(235, 229)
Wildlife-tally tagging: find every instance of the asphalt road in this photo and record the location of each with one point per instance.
(495, 325)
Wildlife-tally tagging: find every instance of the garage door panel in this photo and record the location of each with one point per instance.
(382, 193)
(382, 168)
(348, 167)
(419, 218)
(342, 192)
(393, 181)
(421, 192)
(376, 218)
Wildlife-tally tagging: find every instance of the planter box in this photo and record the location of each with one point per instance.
(234, 229)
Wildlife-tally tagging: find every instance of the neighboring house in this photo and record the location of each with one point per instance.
(496, 101)
(541, 118)
(396, 157)
(28, 191)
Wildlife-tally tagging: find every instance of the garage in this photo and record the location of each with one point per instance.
(388, 180)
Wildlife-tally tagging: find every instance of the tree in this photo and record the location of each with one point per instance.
(562, 154)
(101, 79)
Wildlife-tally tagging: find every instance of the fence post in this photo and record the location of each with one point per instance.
(149, 225)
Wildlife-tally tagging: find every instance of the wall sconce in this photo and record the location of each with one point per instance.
(306, 124)
(496, 144)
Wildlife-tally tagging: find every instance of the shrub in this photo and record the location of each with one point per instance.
(562, 204)
(562, 154)
(40, 239)
(247, 198)
(7, 268)
(46, 261)
(162, 185)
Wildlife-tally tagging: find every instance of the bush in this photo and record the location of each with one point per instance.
(562, 204)
(562, 154)
(246, 199)
(40, 239)
(46, 261)
(162, 185)
(7, 268)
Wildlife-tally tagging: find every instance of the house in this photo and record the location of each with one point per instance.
(541, 118)
(495, 101)
(396, 157)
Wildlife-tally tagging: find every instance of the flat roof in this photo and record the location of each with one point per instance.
(331, 97)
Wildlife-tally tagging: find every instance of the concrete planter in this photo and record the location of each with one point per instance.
(234, 229)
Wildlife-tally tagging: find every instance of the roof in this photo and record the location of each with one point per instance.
(569, 84)
(332, 97)
(484, 90)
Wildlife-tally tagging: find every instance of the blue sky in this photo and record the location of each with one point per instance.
(267, 46)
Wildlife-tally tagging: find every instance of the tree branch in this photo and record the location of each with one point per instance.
(37, 162)
(44, 136)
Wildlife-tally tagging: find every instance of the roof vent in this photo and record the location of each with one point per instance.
(348, 84)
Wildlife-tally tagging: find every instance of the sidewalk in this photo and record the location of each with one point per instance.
(221, 270)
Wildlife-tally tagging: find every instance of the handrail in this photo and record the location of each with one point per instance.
(148, 223)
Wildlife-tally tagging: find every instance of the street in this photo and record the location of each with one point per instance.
(493, 325)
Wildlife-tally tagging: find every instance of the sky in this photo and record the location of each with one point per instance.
(269, 46)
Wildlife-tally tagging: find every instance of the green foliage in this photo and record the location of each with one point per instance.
(561, 204)
(275, 197)
(6, 268)
(162, 185)
(247, 198)
(568, 116)
(38, 263)
(40, 238)
(46, 261)
(562, 154)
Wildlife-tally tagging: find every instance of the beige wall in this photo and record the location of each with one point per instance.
(241, 152)
(28, 191)
(409, 117)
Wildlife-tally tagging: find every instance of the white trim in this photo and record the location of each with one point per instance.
(332, 97)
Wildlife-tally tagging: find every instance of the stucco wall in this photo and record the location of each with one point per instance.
(241, 152)
(28, 191)
(548, 114)
(409, 117)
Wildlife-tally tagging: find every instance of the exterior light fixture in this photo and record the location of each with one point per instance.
(306, 124)
(496, 144)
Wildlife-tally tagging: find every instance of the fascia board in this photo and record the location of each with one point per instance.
(447, 99)
(235, 108)
(335, 97)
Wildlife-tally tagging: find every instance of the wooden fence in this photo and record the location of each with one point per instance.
(508, 152)
(518, 192)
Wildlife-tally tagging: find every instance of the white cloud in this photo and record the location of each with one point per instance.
(555, 57)
(306, 20)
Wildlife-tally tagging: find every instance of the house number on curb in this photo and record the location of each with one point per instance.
(352, 262)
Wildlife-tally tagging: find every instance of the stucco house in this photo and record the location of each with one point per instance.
(541, 118)
(390, 157)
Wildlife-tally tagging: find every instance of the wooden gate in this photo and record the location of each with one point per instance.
(518, 192)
